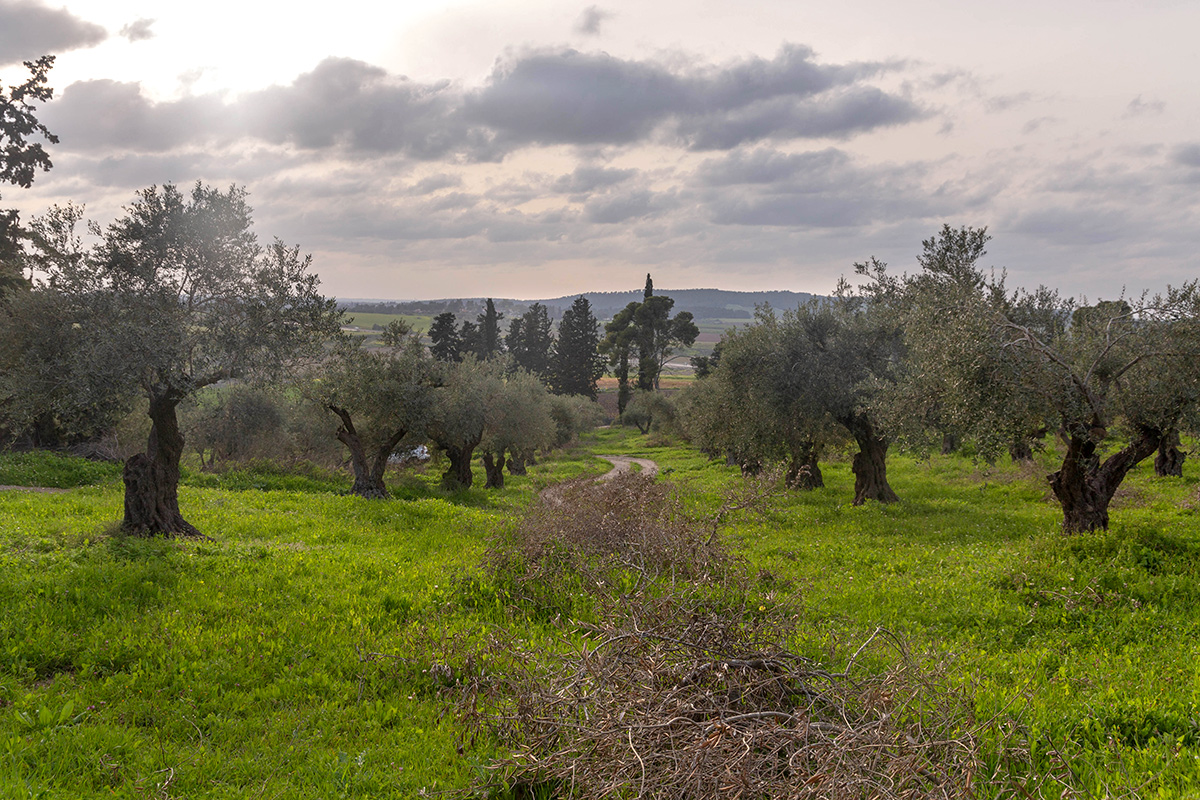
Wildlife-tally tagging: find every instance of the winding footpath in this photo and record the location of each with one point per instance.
(552, 495)
(625, 464)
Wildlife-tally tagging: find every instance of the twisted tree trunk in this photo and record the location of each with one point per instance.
(493, 467)
(1169, 461)
(870, 463)
(368, 473)
(517, 460)
(152, 478)
(803, 471)
(1085, 487)
(458, 475)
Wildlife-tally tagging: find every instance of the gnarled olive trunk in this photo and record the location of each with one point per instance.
(949, 443)
(1169, 460)
(870, 463)
(458, 475)
(803, 471)
(152, 478)
(1084, 487)
(1020, 449)
(517, 461)
(749, 465)
(368, 473)
(493, 467)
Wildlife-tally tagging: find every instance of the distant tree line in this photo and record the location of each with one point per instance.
(569, 363)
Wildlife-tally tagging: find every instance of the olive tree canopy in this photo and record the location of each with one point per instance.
(22, 156)
(1000, 361)
(179, 295)
(381, 398)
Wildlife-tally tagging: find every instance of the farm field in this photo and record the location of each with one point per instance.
(290, 656)
(367, 321)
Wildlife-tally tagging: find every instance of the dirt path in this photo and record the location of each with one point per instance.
(552, 495)
(625, 464)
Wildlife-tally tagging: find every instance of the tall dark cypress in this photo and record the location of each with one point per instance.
(576, 364)
(490, 343)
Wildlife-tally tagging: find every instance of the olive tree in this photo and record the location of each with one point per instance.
(459, 413)
(838, 356)
(517, 422)
(1129, 366)
(21, 158)
(381, 398)
(647, 410)
(747, 409)
(953, 382)
(179, 295)
(235, 423)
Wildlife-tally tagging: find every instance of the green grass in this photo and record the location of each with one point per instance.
(367, 321)
(56, 471)
(241, 666)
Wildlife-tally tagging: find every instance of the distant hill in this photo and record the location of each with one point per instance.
(705, 304)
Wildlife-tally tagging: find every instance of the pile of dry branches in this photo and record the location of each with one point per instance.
(668, 700)
(630, 524)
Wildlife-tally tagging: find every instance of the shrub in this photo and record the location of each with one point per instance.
(573, 414)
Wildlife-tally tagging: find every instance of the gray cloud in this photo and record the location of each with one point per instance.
(588, 179)
(348, 103)
(453, 201)
(106, 116)
(545, 98)
(633, 205)
(1000, 103)
(1036, 124)
(591, 19)
(837, 114)
(1187, 155)
(1138, 107)
(1072, 225)
(341, 104)
(138, 30)
(29, 29)
(568, 97)
(434, 183)
(822, 189)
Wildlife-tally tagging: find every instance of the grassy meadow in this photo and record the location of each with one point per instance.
(367, 320)
(290, 656)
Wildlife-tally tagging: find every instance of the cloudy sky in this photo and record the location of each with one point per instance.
(531, 148)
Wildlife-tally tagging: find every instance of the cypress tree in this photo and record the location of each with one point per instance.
(445, 342)
(529, 340)
(576, 364)
(490, 343)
